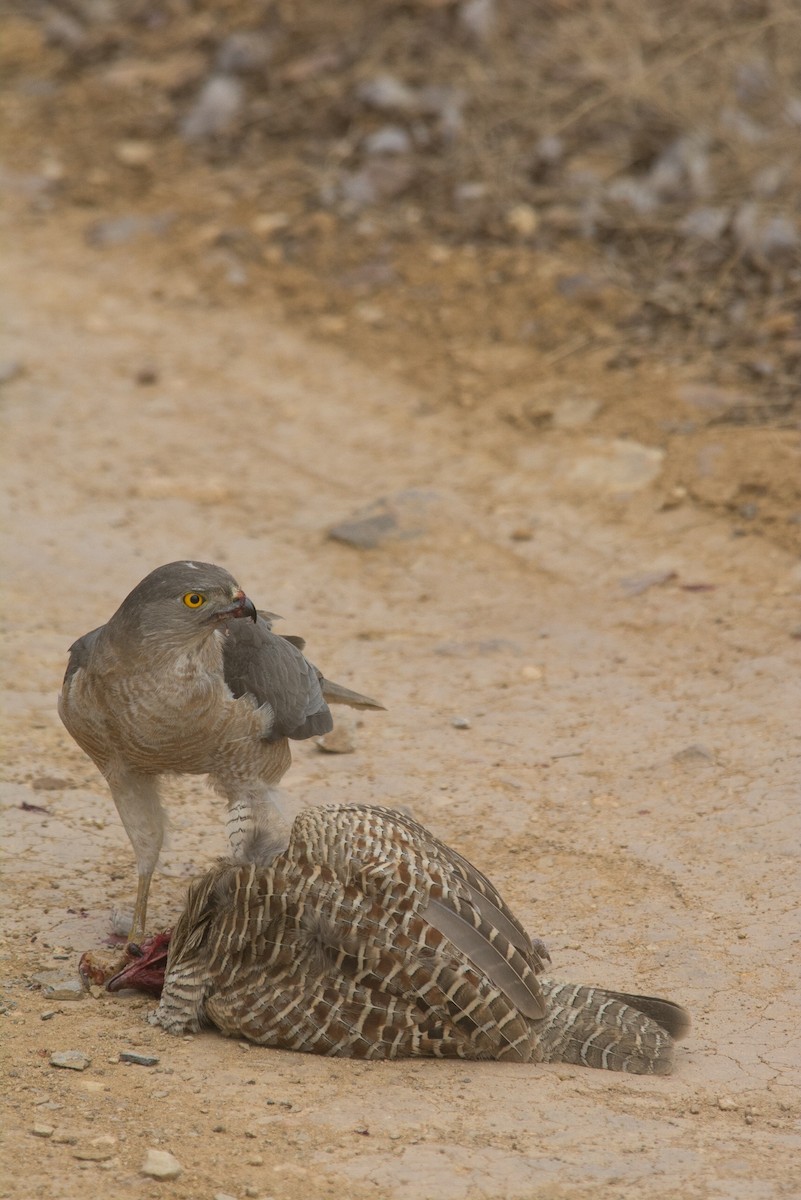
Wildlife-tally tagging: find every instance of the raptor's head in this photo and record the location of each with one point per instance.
(183, 601)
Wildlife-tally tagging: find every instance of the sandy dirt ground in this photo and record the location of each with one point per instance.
(629, 773)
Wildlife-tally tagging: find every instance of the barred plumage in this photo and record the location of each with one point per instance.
(368, 938)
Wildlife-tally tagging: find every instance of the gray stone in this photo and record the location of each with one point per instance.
(160, 1164)
(215, 110)
(68, 989)
(390, 139)
(96, 1149)
(72, 1060)
(140, 1060)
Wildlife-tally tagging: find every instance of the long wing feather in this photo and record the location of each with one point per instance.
(271, 669)
(512, 975)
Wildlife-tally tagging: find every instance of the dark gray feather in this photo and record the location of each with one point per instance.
(273, 671)
(80, 652)
(481, 952)
(674, 1019)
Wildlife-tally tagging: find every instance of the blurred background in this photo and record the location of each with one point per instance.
(554, 215)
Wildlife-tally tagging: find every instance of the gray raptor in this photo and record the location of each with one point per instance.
(175, 683)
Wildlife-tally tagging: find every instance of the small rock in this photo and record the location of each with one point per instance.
(616, 467)
(141, 1060)
(67, 989)
(268, 223)
(385, 92)
(41, 1130)
(160, 1164)
(216, 109)
(478, 17)
(461, 722)
(531, 672)
(405, 514)
(727, 1104)
(635, 585)
(97, 1149)
(573, 411)
(146, 375)
(366, 533)
(48, 1014)
(339, 740)
(390, 139)
(705, 223)
(244, 52)
(64, 1137)
(223, 1196)
(72, 1060)
(382, 178)
(523, 220)
(695, 754)
(133, 153)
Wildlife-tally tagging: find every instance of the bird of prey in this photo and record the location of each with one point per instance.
(368, 938)
(177, 682)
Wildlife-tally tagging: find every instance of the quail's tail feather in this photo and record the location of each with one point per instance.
(613, 1031)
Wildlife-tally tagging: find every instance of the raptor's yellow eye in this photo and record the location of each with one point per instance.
(194, 599)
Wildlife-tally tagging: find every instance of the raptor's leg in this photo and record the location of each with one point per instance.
(139, 805)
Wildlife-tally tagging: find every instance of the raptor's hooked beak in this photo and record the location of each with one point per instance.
(241, 607)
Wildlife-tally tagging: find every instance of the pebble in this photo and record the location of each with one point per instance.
(215, 110)
(461, 722)
(73, 1060)
(56, 985)
(223, 1196)
(132, 153)
(366, 533)
(160, 1164)
(97, 1149)
(727, 1104)
(48, 1014)
(244, 52)
(381, 178)
(390, 139)
(387, 93)
(338, 741)
(41, 1130)
(522, 219)
(141, 1060)
(64, 1137)
(694, 755)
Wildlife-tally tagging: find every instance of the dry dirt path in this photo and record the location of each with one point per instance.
(630, 775)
